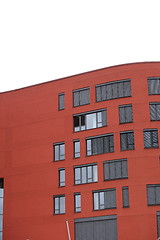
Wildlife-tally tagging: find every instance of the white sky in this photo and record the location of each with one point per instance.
(42, 40)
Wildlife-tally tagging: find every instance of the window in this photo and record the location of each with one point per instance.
(61, 177)
(127, 140)
(158, 223)
(154, 85)
(81, 97)
(59, 151)
(77, 202)
(153, 194)
(150, 138)
(90, 120)
(85, 174)
(100, 144)
(125, 196)
(76, 148)
(59, 204)
(104, 199)
(155, 111)
(61, 101)
(125, 113)
(1, 205)
(115, 169)
(112, 90)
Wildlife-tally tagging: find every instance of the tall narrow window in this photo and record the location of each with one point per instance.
(59, 151)
(125, 113)
(59, 204)
(61, 101)
(61, 177)
(94, 119)
(155, 111)
(81, 97)
(150, 138)
(76, 148)
(77, 202)
(153, 194)
(115, 169)
(1, 206)
(125, 196)
(112, 90)
(104, 199)
(158, 224)
(100, 144)
(154, 85)
(85, 174)
(127, 140)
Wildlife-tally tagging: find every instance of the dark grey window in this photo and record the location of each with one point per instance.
(90, 120)
(104, 199)
(100, 144)
(96, 228)
(125, 196)
(155, 111)
(125, 113)
(115, 169)
(127, 140)
(158, 224)
(77, 202)
(1, 206)
(61, 177)
(81, 97)
(61, 101)
(154, 85)
(112, 90)
(150, 138)
(59, 151)
(85, 174)
(59, 204)
(76, 148)
(153, 194)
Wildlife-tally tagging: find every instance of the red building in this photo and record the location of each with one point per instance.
(80, 159)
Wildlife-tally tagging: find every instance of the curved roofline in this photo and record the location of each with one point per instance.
(78, 74)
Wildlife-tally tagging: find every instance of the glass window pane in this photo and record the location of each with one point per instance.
(1, 205)
(101, 196)
(88, 147)
(96, 207)
(1, 192)
(95, 173)
(62, 152)
(91, 120)
(77, 176)
(89, 174)
(62, 204)
(84, 177)
(56, 152)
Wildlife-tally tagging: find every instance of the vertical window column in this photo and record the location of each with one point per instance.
(61, 177)
(59, 151)
(59, 204)
(1, 206)
(77, 202)
(76, 148)
(125, 196)
(61, 101)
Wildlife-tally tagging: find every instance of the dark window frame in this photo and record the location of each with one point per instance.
(110, 162)
(59, 204)
(127, 144)
(83, 116)
(151, 138)
(125, 113)
(153, 186)
(88, 179)
(156, 112)
(61, 102)
(104, 205)
(74, 149)
(151, 91)
(80, 90)
(77, 209)
(59, 144)
(110, 84)
(126, 202)
(61, 183)
(109, 138)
